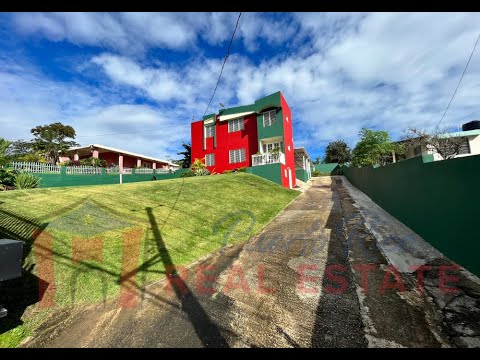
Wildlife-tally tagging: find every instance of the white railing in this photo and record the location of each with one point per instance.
(162, 171)
(143, 171)
(34, 167)
(113, 170)
(268, 158)
(83, 170)
(127, 170)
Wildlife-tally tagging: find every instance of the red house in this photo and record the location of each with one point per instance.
(258, 136)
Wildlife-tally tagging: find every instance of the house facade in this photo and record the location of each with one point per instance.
(125, 160)
(258, 136)
(470, 144)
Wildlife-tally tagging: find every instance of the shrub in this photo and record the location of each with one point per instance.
(7, 177)
(188, 173)
(315, 173)
(66, 163)
(26, 181)
(91, 161)
(227, 172)
(242, 169)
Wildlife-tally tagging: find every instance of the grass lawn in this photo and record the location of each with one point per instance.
(93, 230)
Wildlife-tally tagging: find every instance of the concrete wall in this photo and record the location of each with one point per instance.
(272, 172)
(63, 179)
(326, 169)
(438, 200)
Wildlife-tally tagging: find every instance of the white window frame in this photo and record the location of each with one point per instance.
(212, 127)
(236, 124)
(210, 160)
(269, 118)
(236, 156)
(268, 147)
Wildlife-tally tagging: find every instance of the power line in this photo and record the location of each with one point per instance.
(224, 61)
(458, 85)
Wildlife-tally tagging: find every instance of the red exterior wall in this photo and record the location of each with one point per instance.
(244, 139)
(128, 161)
(288, 141)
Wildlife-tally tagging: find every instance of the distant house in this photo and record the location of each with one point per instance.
(116, 157)
(470, 144)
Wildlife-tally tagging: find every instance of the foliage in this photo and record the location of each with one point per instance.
(315, 173)
(7, 177)
(91, 161)
(199, 167)
(242, 169)
(23, 151)
(227, 171)
(26, 181)
(337, 152)
(186, 162)
(66, 163)
(188, 173)
(318, 160)
(439, 142)
(51, 140)
(374, 148)
(4, 144)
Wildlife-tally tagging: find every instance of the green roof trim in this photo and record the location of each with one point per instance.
(206, 117)
(237, 109)
(462, 133)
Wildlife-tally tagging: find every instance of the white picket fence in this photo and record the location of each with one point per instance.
(83, 170)
(34, 167)
(143, 171)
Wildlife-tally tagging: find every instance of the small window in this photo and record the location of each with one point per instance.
(235, 125)
(269, 118)
(237, 156)
(210, 159)
(209, 131)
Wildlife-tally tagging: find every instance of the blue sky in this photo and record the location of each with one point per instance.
(136, 80)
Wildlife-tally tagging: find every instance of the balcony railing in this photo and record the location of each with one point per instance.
(268, 158)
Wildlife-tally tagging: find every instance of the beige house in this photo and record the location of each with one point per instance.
(470, 146)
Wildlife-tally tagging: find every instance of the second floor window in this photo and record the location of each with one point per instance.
(237, 156)
(235, 125)
(269, 118)
(209, 131)
(210, 159)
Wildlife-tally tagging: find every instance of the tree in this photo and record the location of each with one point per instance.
(51, 140)
(22, 150)
(374, 148)
(439, 142)
(337, 152)
(4, 144)
(318, 160)
(187, 155)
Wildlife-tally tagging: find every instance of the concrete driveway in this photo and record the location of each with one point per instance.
(314, 277)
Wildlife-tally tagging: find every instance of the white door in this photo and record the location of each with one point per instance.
(290, 178)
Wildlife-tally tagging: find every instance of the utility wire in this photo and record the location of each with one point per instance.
(458, 85)
(224, 61)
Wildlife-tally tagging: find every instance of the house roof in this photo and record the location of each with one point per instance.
(301, 151)
(124, 152)
(447, 135)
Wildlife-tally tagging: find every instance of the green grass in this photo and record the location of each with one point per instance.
(179, 220)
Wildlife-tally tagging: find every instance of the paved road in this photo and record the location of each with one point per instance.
(296, 284)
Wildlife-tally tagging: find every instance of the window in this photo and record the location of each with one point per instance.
(146, 165)
(210, 159)
(464, 147)
(270, 146)
(235, 125)
(237, 156)
(209, 131)
(269, 118)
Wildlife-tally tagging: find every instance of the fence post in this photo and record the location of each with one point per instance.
(63, 170)
(104, 171)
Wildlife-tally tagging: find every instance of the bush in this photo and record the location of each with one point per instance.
(227, 172)
(315, 173)
(188, 173)
(26, 181)
(242, 169)
(91, 161)
(7, 177)
(66, 163)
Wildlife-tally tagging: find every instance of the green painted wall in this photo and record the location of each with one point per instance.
(270, 172)
(327, 169)
(62, 179)
(438, 200)
(301, 174)
(269, 101)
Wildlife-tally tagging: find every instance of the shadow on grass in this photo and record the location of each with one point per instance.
(206, 330)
